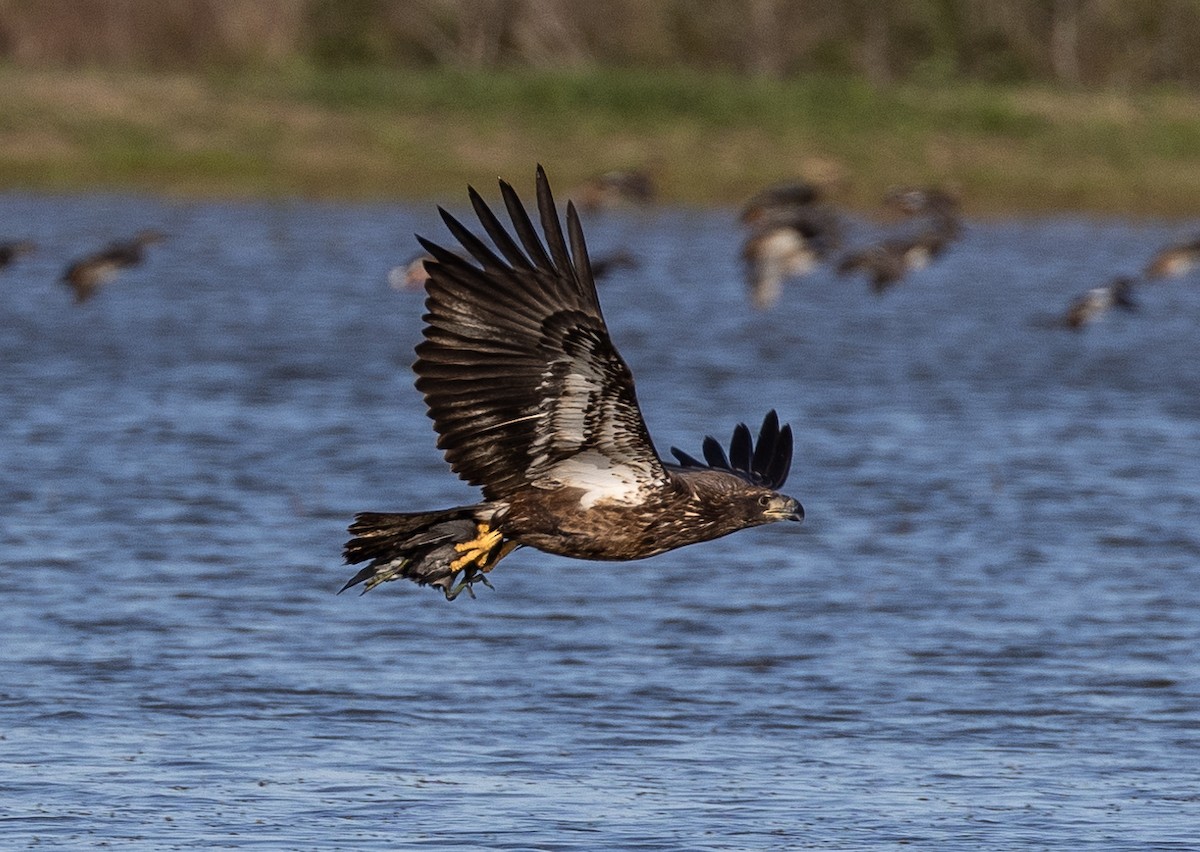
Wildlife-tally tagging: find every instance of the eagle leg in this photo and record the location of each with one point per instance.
(471, 575)
(479, 555)
(430, 548)
(479, 551)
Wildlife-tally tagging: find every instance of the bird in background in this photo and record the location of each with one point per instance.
(790, 232)
(779, 200)
(941, 207)
(887, 262)
(410, 275)
(86, 275)
(533, 403)
(615, 188)
(1174, 260)
(413, 274)
(1093, 304)
(606, 264)
(14, 250)
(785, 246)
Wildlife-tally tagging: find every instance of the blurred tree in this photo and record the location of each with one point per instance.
(1070, 42)
(1064, 40)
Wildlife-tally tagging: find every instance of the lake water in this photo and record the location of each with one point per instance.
(985, 635)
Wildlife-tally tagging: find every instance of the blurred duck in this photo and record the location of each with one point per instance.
(412, 275)
(606, 264)
(614, 189)
(1096, 302)
(785, 246)
(779, 200)
(940, 206)
(10, 252)
(1174, 260)
(886, 263)
(86, 275)
(923, 200)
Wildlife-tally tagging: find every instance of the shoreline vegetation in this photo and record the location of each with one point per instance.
(707, 137)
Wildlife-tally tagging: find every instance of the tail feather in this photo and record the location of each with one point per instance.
(422, 547)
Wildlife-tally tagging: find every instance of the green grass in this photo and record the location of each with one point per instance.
(709, 138)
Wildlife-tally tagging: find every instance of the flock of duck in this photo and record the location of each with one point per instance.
(86, 275)
(789, 230)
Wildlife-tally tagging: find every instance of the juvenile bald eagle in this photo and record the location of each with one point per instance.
(533, 403)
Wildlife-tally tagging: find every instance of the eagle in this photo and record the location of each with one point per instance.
(533, 403)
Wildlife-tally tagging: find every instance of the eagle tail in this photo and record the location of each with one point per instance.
(429, 548)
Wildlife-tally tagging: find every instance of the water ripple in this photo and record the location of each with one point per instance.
(983, 637)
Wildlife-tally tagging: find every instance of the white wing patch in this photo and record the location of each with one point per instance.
(584, 440)
(564, 429)
(598, 477)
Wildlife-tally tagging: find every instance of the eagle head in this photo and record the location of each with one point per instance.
(741, 486)
(773, 506)
(755, 506)
(722, 503)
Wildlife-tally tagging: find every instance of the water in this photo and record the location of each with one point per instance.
(984, 635)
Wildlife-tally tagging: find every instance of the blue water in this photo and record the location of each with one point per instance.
(985, 635)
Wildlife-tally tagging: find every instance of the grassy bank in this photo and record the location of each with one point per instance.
(709, 139)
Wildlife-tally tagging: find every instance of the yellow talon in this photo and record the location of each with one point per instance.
(477, 549)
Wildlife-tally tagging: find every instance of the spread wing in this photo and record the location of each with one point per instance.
(523, 384)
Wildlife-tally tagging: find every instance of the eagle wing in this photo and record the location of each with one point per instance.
(522, 381)
(765, 462)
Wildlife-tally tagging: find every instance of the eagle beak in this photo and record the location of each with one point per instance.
(786, 509)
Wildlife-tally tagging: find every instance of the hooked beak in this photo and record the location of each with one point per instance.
(785, 509)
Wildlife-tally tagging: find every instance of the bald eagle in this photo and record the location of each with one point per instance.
(533, 403)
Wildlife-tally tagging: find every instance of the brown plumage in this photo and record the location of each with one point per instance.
(88, 274)
(789, 233)
(780, 199)
(533, 403)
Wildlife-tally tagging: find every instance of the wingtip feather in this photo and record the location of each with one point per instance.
(781, 461)
(714, 453)
(741, 448)
(765, 462)
(686, 459)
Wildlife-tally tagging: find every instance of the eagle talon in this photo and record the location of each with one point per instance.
(452, 593)
(476, 553)
(471, 574)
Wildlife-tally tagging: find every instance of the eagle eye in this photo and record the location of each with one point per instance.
(764, 500)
